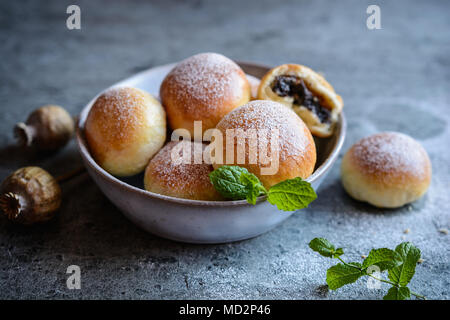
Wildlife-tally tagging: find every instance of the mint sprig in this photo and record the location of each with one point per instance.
(228, 182)
(237, 183)
(400, 264)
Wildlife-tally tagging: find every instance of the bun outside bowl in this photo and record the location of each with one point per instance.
(196, 221)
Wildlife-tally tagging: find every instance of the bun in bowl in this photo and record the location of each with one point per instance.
(268, 139)
(204, 87)
(173, 173)
(124, 129)
(307, 93)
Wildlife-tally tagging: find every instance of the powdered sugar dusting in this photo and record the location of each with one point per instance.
(177, 176)
(120, 110)
(269, 115)
(206, 78)
(391, 152)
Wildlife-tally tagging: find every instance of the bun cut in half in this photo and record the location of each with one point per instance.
(387, 170)
(307, 93)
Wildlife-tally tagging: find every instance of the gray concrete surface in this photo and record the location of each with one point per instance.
(396, 78)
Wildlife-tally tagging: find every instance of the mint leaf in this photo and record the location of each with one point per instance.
(237, 183)
(252, 195)
(383, 258)
(248, 178)
(338, 252)
(395, 293)
(325, 248)
(227, 181)
(253, 185)
(409, 255)
(342, 274)
(291, 194)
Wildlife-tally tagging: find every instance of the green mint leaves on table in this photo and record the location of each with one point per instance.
(237, 183)
(400, 264)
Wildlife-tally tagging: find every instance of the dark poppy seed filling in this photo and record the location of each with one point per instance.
(293, 86)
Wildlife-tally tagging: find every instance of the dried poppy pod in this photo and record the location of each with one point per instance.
(30, 195)
(48, 128)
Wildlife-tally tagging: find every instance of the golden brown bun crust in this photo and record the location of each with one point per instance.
(181, 180)
(387, 169)
(297, 151)
(254, 85)
(319, 87)
(204, 87)
(124, 129)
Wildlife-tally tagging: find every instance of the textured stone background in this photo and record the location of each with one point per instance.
(397, 78)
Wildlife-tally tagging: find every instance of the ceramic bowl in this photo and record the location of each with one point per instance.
(196, 221)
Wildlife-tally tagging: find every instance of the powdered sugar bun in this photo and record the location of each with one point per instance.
(296, 148)
(387, 169)
(124, 129)
(173, 177)
(204, 87)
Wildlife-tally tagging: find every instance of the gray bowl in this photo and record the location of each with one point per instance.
(196, 221)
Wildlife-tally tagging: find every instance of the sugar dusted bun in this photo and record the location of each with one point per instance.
(296, 148)
(387, 169)
(307, 93)
(167, 173)
(124, 129)
(204, 87)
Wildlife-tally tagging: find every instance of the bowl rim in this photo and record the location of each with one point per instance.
(92, 164)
